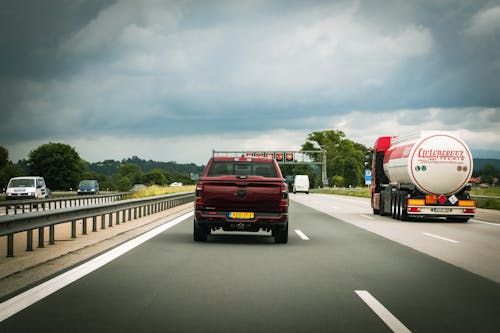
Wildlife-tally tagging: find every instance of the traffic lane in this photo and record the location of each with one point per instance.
(487, 215)
(233, 282)
(482, 215)
(247, 283)
(472, 246)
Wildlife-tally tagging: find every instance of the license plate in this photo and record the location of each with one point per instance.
(241, 215)
(442, 210)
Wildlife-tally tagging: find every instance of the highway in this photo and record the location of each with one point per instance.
(343, 270)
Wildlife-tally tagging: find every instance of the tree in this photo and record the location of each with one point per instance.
(337, 181)
(119, 183)
(132, 171)
(488, 173)
(58, 163)
(344, 158)
(4, 157)
(7, 168)
(155, 177)
(94, 175)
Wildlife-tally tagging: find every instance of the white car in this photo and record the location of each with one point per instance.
(23, 188)
(301, 184)
(175, 184)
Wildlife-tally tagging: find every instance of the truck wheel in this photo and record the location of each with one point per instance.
(199, 232)
(281, 235)
(393, 206)
(404, 210)
(397, 207)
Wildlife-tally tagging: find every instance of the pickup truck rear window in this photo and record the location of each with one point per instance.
(242, 169)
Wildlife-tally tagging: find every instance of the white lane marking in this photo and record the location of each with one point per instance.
(482, 222)
(301, 234)
(13, 305)
(439, 237)
(388, 318)
(368, 217)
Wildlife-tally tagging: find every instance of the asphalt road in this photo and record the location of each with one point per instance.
(246, 283)
(474, 246)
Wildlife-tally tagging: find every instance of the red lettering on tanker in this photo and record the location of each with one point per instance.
(437, 155)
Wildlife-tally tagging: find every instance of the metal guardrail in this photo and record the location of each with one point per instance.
(22, 206)
(484, 197)
(128, 209)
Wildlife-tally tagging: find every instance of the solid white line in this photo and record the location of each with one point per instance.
(368, 217)
(29, 297)
(482, 222)
(439, 237)
(301, 234)
(388, 318)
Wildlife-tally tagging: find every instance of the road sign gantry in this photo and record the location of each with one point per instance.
(288, 157)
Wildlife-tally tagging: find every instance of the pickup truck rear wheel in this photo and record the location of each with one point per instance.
(199, 232)
(281, 235)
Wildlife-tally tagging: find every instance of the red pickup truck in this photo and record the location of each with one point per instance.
(241, 194)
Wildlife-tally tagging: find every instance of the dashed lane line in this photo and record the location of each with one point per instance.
(387, 317)
(301, 234)
(442, 238)
(483, 222)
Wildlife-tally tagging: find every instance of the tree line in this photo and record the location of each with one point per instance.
(63, 168)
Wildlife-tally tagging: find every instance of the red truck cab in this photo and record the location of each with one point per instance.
(241, 194)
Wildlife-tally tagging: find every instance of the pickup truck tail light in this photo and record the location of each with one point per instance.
(199, 196)
(284, 199)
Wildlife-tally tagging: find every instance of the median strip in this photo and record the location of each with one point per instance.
(442, 238)
(301, 234)
(388, 318)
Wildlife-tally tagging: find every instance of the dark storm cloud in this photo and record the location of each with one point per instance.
(31, 32)
(84, 69)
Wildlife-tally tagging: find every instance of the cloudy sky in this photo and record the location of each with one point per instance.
(172, 80)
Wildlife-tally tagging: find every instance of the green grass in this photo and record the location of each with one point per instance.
(354, 192)
(488, 203)
(155, 190)
(490, 191)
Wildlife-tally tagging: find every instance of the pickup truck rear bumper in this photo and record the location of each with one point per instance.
(262, 220)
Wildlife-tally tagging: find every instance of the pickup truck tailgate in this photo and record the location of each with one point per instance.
(242, 195)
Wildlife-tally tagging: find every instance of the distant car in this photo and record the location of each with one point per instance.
(88, 186)
(175, 184)
(31, 187)
(301, 184)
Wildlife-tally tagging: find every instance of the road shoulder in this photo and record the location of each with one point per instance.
(30, 268)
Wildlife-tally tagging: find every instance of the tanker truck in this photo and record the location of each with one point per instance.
(422, 175)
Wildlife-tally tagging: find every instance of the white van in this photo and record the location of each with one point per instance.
(301, 184)
(24, 188)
